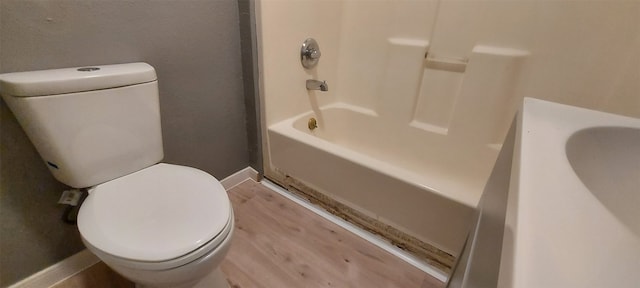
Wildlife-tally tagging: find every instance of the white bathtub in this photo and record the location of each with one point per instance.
(419, 182)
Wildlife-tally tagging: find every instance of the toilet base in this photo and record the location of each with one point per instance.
(215, 279)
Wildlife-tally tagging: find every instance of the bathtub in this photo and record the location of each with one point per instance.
(420, 182)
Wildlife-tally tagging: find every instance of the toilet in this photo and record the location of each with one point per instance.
(157, 224)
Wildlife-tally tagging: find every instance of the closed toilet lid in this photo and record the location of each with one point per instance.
(156, 214)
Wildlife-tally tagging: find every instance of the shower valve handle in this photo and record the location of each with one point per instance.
(309, 53)
(312, 53)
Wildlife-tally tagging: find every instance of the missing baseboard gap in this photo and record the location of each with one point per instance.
(424, 251)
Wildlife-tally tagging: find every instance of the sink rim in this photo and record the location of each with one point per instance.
(549, 224)
(606, 159)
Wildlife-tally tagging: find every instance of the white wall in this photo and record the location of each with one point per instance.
(282, 27)
(365, 48)
(583, 53)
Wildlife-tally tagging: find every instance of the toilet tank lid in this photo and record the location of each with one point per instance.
(76, 79)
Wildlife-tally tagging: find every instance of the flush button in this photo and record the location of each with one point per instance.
(88, 69)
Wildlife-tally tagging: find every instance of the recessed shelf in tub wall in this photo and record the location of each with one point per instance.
(488, 97)
(446, 63)
(477, 104)
(399, 87)
(472, 98)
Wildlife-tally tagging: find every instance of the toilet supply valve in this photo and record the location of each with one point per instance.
(73, 199)
(70, 197)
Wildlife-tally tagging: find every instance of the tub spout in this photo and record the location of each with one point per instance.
(317, 85)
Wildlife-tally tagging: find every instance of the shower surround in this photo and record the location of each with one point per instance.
(421, 96)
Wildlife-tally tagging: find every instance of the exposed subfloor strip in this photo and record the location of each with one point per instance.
(368, 236)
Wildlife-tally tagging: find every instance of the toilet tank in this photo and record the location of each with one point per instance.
(89, 124)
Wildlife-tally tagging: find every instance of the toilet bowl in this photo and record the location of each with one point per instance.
(159, 225)
(199, 273)
(163, 226)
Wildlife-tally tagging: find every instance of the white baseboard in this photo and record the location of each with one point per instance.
(59, 271)
(239, 177)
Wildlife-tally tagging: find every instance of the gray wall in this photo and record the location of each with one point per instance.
(246, 9)
(195, 48)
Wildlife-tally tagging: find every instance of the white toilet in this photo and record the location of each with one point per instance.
(159, 225)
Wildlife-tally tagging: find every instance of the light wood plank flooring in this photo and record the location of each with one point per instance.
(279, 244)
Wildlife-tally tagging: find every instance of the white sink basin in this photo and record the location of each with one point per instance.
(607, 161)
(573, 210)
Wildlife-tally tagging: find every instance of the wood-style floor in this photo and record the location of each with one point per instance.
(279, 244)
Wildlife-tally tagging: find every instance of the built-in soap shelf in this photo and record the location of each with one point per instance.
(446, 63)
(471, 97)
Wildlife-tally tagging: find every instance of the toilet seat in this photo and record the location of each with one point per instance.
(160, 217)
(165, 265)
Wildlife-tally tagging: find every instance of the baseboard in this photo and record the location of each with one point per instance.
(59, 271)
(239, 177)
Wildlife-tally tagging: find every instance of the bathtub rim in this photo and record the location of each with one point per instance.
(286, 128)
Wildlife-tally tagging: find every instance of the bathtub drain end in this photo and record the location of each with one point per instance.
(312, 124)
